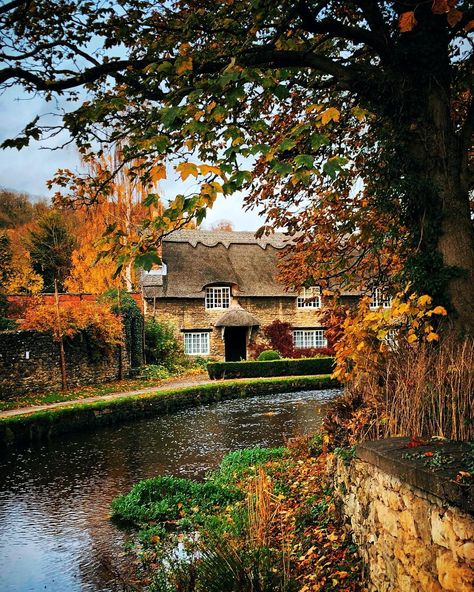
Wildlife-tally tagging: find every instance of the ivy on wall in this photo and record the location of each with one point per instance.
(133, 322)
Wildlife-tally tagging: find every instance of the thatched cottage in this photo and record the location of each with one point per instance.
(220, 288)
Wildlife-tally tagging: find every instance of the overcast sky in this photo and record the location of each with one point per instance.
(29, 169)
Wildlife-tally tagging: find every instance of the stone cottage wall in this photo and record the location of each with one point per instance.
(410, 540)
(29, 362)
(190, 313)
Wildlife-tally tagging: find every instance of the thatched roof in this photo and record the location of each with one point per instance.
(196, 259)
(236, 316)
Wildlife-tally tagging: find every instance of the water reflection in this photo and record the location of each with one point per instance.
(54, 499)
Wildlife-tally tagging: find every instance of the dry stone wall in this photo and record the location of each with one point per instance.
(29, 362)
(410, 540)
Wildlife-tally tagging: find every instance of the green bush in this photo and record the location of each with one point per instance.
(269, 354)
(162, 346)
(259, 369)
(164, 499)
(154, 371)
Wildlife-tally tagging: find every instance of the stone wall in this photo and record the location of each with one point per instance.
(29, 362)
(190, 313)
(409, 539)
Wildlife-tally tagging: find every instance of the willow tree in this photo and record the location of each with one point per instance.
(349, 124)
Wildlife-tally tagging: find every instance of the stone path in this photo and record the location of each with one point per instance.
(172, 384)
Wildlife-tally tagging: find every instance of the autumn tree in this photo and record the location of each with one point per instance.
(5, 260)
(349, 124)
(17, 209)
(122, 210)
(224, 224)
(50, 247)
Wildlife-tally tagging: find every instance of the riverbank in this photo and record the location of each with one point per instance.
(128, 386)
(61, 418)
(265, 519)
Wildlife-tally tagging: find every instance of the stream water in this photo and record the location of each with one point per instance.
(55, 534)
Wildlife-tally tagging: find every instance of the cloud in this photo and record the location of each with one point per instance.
(29, 169)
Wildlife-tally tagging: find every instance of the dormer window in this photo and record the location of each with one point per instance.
(217, 297)
(380, 299)
(309, 298)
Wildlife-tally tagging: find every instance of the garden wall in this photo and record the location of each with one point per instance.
(414, 526)
(29, 362)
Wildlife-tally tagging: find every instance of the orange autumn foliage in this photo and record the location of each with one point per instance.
(368, 335)
(123, 210)
(102, 326)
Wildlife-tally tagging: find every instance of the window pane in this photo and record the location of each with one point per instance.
(218, 297)
(309, 338)
(196, 343)
(309, 298)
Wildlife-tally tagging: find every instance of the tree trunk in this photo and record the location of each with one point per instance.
(438, 157)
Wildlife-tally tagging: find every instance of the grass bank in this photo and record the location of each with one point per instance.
(40, 425)
(265, 520)
(96, 390)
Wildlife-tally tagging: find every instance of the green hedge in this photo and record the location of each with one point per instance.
(286, 367)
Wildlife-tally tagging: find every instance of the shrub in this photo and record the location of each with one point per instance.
(152, 371)
(402, 378)
(269, 354)
(164, 499)
(255, 369)
(278, 337)
(162, 345)
(93, 320)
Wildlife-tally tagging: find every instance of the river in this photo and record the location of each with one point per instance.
(55, 534)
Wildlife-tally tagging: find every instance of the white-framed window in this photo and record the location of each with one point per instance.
(218, 297)
(196, 344)
(309, 338)
(380, 300)
(309, 298)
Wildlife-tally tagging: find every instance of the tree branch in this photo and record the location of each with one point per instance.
(335, 28)
(12, 5)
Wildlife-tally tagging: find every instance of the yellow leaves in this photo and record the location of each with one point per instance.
(190, 169)
(158, 172)
(407, 21)
(187, 169)
(206, 169)
(331, 114)
(184, 65)
(314, 107)
(370, 337)
(424, 300)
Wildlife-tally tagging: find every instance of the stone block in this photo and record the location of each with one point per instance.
(463, 526)
(407, 524)
(466, 552)
(454, 576)
(387, 518)
(442, 531)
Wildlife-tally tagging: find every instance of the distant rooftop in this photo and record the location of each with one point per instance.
(211, 238)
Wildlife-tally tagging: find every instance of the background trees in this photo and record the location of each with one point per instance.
(50, 248)
(350, 124)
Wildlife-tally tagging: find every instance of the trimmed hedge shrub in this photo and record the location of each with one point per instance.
(269, 354)
(286, 367)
